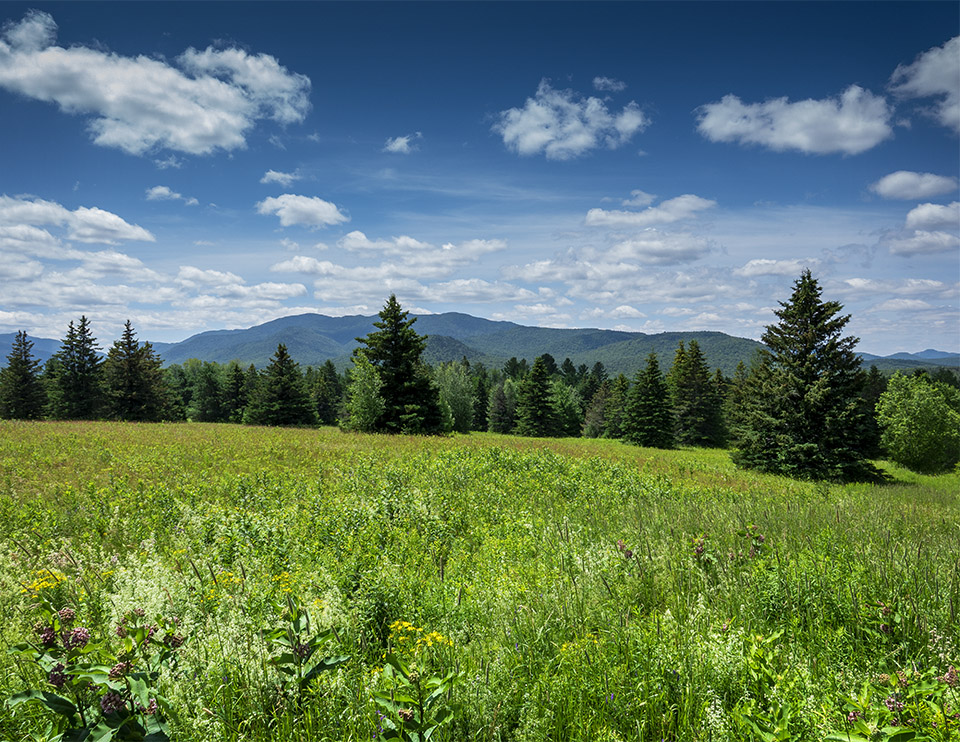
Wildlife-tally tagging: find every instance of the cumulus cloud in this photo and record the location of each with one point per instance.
(767, 267)
(284, 179)
(934, 216)
(82, 224)
(224, 284)
(909, 186)
(671, 210)
(853, 123)
(639, 199)
(208, 100)
(163, 193)
(562, 125)
(308, 211)
(653, 247)
(609, 84)
(402, 145)
(902, 305)
(934, 74)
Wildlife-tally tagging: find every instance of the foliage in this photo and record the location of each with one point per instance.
(417, 705)
(22, 395)
(502, 409)
(647, 417)
(920, 420)
(365, 404)
(281, 397)
(803, 417)
(133, 379)
(456, 392)
(100, 689)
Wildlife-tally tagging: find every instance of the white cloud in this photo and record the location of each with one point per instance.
(909, 186)
(767, 267)
(653, 247)
(609, 84)
(140, 104)
(671, 210)
(934, 216)
(639, 199)
(935, 73)
(402, 145)
(922, 242)
(308, 211)
(223, 284)
(902, 305)
(284, 179)
(563, 126)
(358, 241)
(83, 224)
(850, 124)
(625, 311)
(869, 287)
(163, 193)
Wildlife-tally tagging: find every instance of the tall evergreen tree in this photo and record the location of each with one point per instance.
(804, 416)
(613, 414)
(281, 397)
(234, 393)
(481, 396)
(595, 417)
(535, 412)
(648, 420)
(22, 395)
(502, 410)
(76, 383)
(133, 378)
(694, 397)
(207, 404)
(874, 385)
(328, 393)
(567, 412)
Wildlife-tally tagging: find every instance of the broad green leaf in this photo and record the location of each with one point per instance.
(52, 701)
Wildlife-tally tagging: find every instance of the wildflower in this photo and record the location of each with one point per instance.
(628, 554)
(884, 628)
(174, 641)
(119, 670)
(139, 612)
(121, 630)
(853, 716)
(151, 708)
(57, 678)
(48, 637)
(950, 677)
(67, 615)
(301, 650)
(111, 702)
(405, 714)
(77, 637)
(893, 703)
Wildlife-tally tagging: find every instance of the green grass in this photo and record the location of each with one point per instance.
(506, 546)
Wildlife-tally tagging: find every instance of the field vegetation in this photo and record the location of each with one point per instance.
(228, 582)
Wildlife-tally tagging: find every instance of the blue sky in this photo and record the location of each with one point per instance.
(641, 166)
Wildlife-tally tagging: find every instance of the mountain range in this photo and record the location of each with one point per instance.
(313, 339)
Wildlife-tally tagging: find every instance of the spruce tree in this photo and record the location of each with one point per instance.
(133, 379)
(535, 411)
(411, 399)
(694, 397)
(594, 418)
(803, 414)
(648, 420)
(502, 410)
(281, 397)
(615, 406)
(328, 393)
(22, 396)
(76, 379)
(481, 396)
(234, 393)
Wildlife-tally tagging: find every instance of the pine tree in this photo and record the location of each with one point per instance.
(208, 395)
(133, 379)
(328, 393)
(535, 412)
(481, 396)
(803, 416)
(411, 399)
(234, 393)
(595, 416)
(502, 410)
(648, 420)
(281, 397)
(76, 378)
(22, 395)
(694, 398)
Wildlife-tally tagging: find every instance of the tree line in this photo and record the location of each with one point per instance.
(804, 407)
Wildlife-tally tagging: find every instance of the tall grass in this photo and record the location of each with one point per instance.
(591, 590)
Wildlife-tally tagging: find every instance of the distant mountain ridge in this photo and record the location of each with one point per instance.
(313, 339)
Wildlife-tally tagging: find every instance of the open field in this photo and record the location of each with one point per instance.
(578, 589)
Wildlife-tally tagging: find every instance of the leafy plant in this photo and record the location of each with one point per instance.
(101, 692)
(299, 656)
(418, 706)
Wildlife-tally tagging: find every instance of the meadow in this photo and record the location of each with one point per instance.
(485, 587)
